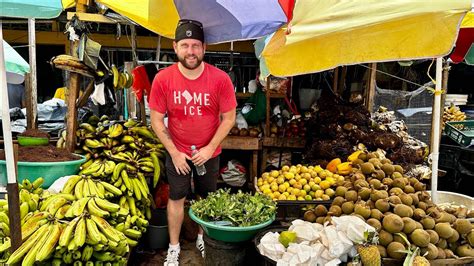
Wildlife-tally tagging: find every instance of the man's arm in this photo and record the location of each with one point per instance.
(179, 158)
(204, 154)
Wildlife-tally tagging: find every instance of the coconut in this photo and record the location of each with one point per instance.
(351, 195)
(364, 193)
(432, 251)
(454, 237)
(403, 210)
(393, 223)
(420, 237)
(382, 251)
(394, 199)
(320, 210)
(367, 168)
(376, 214)
(394, 250)
(309, 216)
(341, 191)
(338, 201)
(406, 199)
(347, 207)
(382, 205)
(388, 168)
(444, 230)
(418, 214)
(385, 238)
(463, 226)
(409, 225)
(434, 238)
(465, 251)
(335, 210)
(375, 224)
(441, 253)
(428, 223)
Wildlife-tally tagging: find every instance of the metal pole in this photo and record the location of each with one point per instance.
(31, 88)
(435, 130)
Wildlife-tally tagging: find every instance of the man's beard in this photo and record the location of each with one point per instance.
(182, 60)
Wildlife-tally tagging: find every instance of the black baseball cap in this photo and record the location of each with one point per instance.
(189, 29)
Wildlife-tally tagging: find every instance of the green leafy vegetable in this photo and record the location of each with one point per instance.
(241, 209)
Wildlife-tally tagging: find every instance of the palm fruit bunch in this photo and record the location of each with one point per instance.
(298, 182)
(398, 207)
(453, 113)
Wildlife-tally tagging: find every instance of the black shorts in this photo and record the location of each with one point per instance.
(180, 185)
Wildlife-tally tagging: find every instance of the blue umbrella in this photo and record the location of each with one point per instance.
(30, 8)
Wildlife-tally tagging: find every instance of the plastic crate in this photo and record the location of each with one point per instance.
(464, 136)
(448, 156)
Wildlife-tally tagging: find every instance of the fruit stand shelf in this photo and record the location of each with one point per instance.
(245, 95)
(248, 144)
(298, 143)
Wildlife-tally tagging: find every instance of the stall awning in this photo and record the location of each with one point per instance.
(223, 20)
(326, 34)
(45, 9)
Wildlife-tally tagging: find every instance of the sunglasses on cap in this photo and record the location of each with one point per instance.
(189, 21)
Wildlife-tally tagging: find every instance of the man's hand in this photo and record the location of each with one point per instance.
(179, 161)
(203, 155)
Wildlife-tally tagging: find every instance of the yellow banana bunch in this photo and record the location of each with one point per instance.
(453, 113)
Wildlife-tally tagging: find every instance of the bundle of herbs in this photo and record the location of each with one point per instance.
(240, 209)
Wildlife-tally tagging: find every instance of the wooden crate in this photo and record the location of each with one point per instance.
(241, 143)
(284, 142)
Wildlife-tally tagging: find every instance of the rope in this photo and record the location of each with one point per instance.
(393, 76)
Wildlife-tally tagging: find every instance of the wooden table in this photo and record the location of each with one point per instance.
(247, 144)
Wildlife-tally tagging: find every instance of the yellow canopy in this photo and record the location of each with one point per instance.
(468, 21)
(158, 15)
(327, 34)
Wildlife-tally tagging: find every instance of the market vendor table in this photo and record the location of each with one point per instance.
(248, 144)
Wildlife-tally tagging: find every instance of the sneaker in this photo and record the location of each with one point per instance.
(172, 258)
(200, 246)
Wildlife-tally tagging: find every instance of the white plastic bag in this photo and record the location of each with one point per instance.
(58, 185)
(234, 174)
(240, 121)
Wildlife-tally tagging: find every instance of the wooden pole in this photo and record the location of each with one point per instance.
(73, 91)
(31, 81)
(335, 79)
(87, 92)
(342, 81)
(14, 204)
(135, 62)
(371, 83)
(267, 116)
(446, 69)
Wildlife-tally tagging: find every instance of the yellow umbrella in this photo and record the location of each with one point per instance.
(325, 34)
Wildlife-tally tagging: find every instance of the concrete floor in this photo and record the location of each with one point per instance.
(190, 255)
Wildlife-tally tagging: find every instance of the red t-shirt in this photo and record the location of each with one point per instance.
(193, 106)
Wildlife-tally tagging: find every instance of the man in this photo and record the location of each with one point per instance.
(16, 95)
(200, 103)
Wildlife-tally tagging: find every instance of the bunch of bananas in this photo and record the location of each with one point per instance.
(453, 113)
(83, 186)
(121, 80)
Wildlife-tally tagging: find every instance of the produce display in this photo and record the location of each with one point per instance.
(239, 209)
(401, 210)
(101, 212)
(453, 113)
(337, 127)
(294, 129)
(303, 182)
(252, 131)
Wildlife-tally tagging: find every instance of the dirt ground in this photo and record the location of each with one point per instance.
(42, 154)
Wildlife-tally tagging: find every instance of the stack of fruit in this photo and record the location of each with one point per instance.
(303, 182)
(399, 208)
(453, 113)
(30, 195)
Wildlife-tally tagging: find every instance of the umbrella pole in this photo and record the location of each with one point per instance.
(12, 186)
(435, 130)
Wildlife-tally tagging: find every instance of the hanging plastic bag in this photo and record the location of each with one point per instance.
(240, 121)
(89, 51)
(234, 174)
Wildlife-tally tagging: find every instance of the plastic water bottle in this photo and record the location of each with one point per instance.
(201, 169)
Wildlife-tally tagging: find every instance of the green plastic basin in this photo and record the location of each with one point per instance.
(50, 171)
(229, 233)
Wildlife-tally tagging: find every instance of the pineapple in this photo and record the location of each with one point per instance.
(413, 257)
(368, 251)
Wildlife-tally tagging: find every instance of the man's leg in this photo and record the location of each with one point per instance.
(205, 184)
(179, 188)
(175, 210)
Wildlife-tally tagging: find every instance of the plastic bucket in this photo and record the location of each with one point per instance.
(50, 171)
(263, 260)
(224, 253)
(157, 232)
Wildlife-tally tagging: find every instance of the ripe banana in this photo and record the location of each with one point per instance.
(107, 205)
(33, 224)
(71, 182)
(30, 256)
(93, 233)
(24, 208)
(105, 228)
(156, 168)
(18, 254)
(78, 189)
(111, 188)
(79, 206)
(80, 232)
(67, 233)
(49, 245)
(93, 209)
